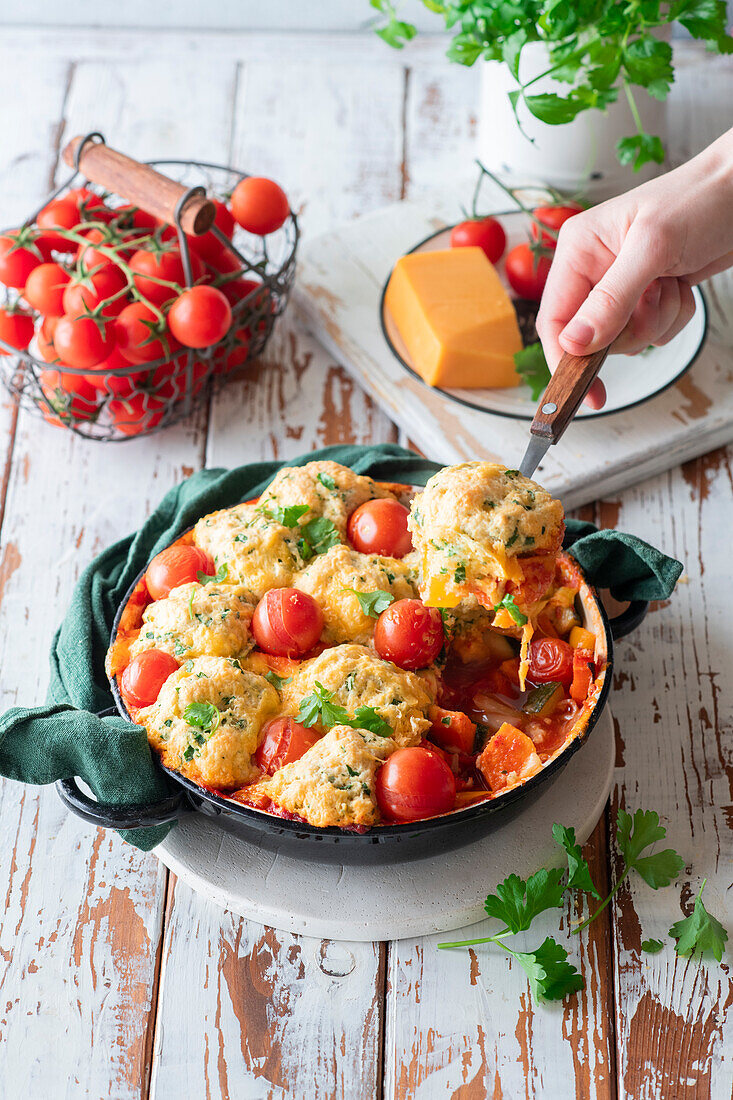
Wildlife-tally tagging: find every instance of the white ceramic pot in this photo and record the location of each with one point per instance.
(578, 157)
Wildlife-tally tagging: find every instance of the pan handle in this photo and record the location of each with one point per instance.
(629, 619)
(112, 815)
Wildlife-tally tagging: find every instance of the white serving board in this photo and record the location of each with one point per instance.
(340, 279)
(396, 900)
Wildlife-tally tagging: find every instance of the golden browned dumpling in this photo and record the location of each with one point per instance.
(198, 620)
(328, 489)
(333, 782)
(471, 523)
(259, 552)
(355, 677)
(330, 578)
(207, 720)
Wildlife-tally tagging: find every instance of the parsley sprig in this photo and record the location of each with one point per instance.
(217, 578)
(372, 603)
(532, 368)
(508, 603)
(318, 709)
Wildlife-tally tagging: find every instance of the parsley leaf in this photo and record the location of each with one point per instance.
(460, 574)
(656, 870)
(320, 534)
(652, 947)
(517, 902)
(287, 516)
(203, 716)
(277, 681)
(531, 366)
(326, 481)
(367, 718)
(578, 869)
(217, 578)
(373, 603)
(317, 709)
(508, 603)
(699, 932)
(551, 977)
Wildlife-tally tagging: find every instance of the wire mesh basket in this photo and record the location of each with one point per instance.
(120, 399)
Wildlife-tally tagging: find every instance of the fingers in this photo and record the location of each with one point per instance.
(656, 312)
(685, 314)
(596, 395)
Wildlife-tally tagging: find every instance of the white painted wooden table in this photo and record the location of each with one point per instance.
(115, 979)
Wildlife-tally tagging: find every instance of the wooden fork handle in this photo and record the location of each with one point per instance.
(565, 391)
(141, 185)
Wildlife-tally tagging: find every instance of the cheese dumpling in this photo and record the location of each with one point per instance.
(474, 525)
(258, 551)
(198, 620)
(207, 719)
(329, 490)
(333, 579)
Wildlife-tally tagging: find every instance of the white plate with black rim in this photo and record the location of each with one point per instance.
(630, 379)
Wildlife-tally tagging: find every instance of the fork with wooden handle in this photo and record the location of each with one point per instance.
(560, 402)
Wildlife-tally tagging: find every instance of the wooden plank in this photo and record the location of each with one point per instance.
(81, 935)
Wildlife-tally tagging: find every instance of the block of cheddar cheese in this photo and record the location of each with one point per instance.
(455, 318)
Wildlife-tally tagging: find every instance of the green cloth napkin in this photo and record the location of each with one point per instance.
(66, 738)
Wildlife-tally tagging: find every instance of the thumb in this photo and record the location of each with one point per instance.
(607, 309)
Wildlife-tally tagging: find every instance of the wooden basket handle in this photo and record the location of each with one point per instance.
(140, 184)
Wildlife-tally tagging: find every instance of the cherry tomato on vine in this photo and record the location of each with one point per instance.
(259, 205)
(137, 414)
(200, 317)
(58, 214)
(165, 263)
(69, 396)
(85, 292)
(287, 622)
(415, 783)
(284, 742)
(234, 353)
(83, 342)
(16, 261)
(380, 527)
(120, 385)
(550, 661)
(236, 290)
(172, 379)
(44, 289)
(527, 273)
(81, 195)
(145, 675)
(91, 257)
(128, 217)
(44, 340)
(484, 233)
(409, 634)
(16, 328)
(141, 336)
(554, 217)
(174, 566)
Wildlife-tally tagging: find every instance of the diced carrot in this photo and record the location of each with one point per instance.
(509, 755)
(582, 675)
(511, 670)
(580, 638)
(452, 729)
(503, 620)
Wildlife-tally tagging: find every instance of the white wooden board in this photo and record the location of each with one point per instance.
(341, 276)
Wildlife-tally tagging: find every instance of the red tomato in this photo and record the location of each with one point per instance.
(527, 273)
(128, 217)
(141, 336)
(550, 659)
(174, 566)
(16, 261)
(137, 414)
(409, 634)
(44, 289)
(164, 262)
(485, 233)
(200, 317)
(554, 217)
(58, 214)
(233, 354)
(82, 195)
(145, 675)
(82, 342)
(285, 741)
(259, 205)
(287, 622)
(121, 385)
(69, 395)
(415, 783)
(380, 527)
(207, 245)
(238, 289)
(539, 573)
(85, 292)
(92, 257)
(44, 340)
(582, 674)
(16, 329)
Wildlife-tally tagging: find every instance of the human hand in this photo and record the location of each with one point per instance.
(623, 272)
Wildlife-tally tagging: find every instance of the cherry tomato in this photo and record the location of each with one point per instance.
(69, 395)
(238, 289)
(259, 205)
(90, 257)
(137, 414)
(82, 342)
(284, 742)
(44, 289)
(550, 659)
(121, 385)
(172, 379)
(207, 245)
(174, 566)
(145, 675)
(409, 634)
(44, 340)
(200, 317)
(527, 273)
(85, 293)
(484, 233)
(415, 783)
(128, 217)
(58, 214)
(163, 263)
(380, 527)
(554, 217)
(287, 622)
(16, 328)
(141, 336)
(233, 354)
(16, 261)
(82, 195)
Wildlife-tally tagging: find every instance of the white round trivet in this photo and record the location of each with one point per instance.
(391, 901)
